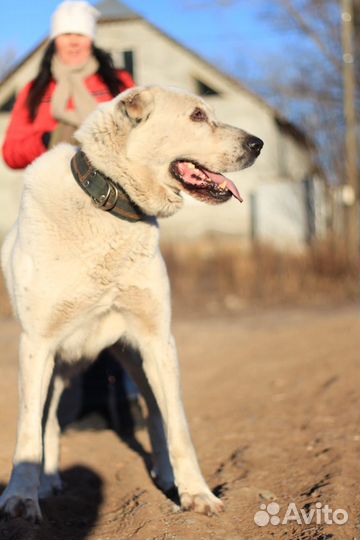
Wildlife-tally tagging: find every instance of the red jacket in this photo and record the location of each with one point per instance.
(23, 142)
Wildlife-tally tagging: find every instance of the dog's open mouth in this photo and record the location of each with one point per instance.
(197, 180)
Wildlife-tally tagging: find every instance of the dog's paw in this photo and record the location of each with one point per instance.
(203, 503)
(17, 506)
(50, 484)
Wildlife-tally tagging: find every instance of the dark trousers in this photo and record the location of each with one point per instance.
(105, 389)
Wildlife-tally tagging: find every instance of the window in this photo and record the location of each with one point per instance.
(9, 104)
(204, 89)
(129, 62)
(124, 60)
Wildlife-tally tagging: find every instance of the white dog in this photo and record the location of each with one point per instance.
(83, 269)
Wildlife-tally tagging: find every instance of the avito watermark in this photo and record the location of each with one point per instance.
(318, 514)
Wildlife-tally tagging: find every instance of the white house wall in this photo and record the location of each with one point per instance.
(280, 214)
(21, 76)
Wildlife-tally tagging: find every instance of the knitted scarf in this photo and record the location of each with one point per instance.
(70, 84)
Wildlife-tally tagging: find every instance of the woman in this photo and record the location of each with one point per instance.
(74, 76)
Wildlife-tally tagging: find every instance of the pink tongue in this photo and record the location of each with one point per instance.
(220, 179)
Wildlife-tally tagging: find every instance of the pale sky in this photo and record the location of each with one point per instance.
(227, 32)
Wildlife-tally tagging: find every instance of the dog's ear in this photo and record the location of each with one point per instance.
(137, 105)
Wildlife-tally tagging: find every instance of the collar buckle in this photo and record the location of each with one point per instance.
(107, 201)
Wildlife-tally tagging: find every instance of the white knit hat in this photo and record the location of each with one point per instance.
(74, 17)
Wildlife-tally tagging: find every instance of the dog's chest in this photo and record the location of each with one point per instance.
(119, 255)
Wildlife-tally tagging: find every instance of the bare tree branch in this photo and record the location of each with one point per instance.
(305, 27)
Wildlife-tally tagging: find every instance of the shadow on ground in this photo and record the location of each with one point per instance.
(70, 515)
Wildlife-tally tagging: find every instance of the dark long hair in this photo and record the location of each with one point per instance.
(42, 80)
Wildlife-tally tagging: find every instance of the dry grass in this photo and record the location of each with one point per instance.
(215, 274)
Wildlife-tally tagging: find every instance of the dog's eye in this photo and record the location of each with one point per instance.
(198, 115)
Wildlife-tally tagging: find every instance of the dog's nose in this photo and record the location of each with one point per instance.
(254, 144)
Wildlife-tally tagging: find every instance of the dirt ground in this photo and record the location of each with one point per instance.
(273, 403)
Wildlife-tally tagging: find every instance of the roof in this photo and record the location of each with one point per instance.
(113, 9)
(283, 123)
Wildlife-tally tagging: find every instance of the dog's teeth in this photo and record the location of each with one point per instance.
(191, 166)
(223, 185)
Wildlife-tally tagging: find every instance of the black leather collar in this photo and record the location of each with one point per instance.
(105, 194)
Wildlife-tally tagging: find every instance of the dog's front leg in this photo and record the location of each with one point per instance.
(50, 481)
(161, 368)
(20, 498)
(161, 472)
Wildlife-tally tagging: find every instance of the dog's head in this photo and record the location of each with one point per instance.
(157, 142)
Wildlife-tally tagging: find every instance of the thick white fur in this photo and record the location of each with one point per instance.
(80, 279)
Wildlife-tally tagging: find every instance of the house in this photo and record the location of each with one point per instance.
(279, 190)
